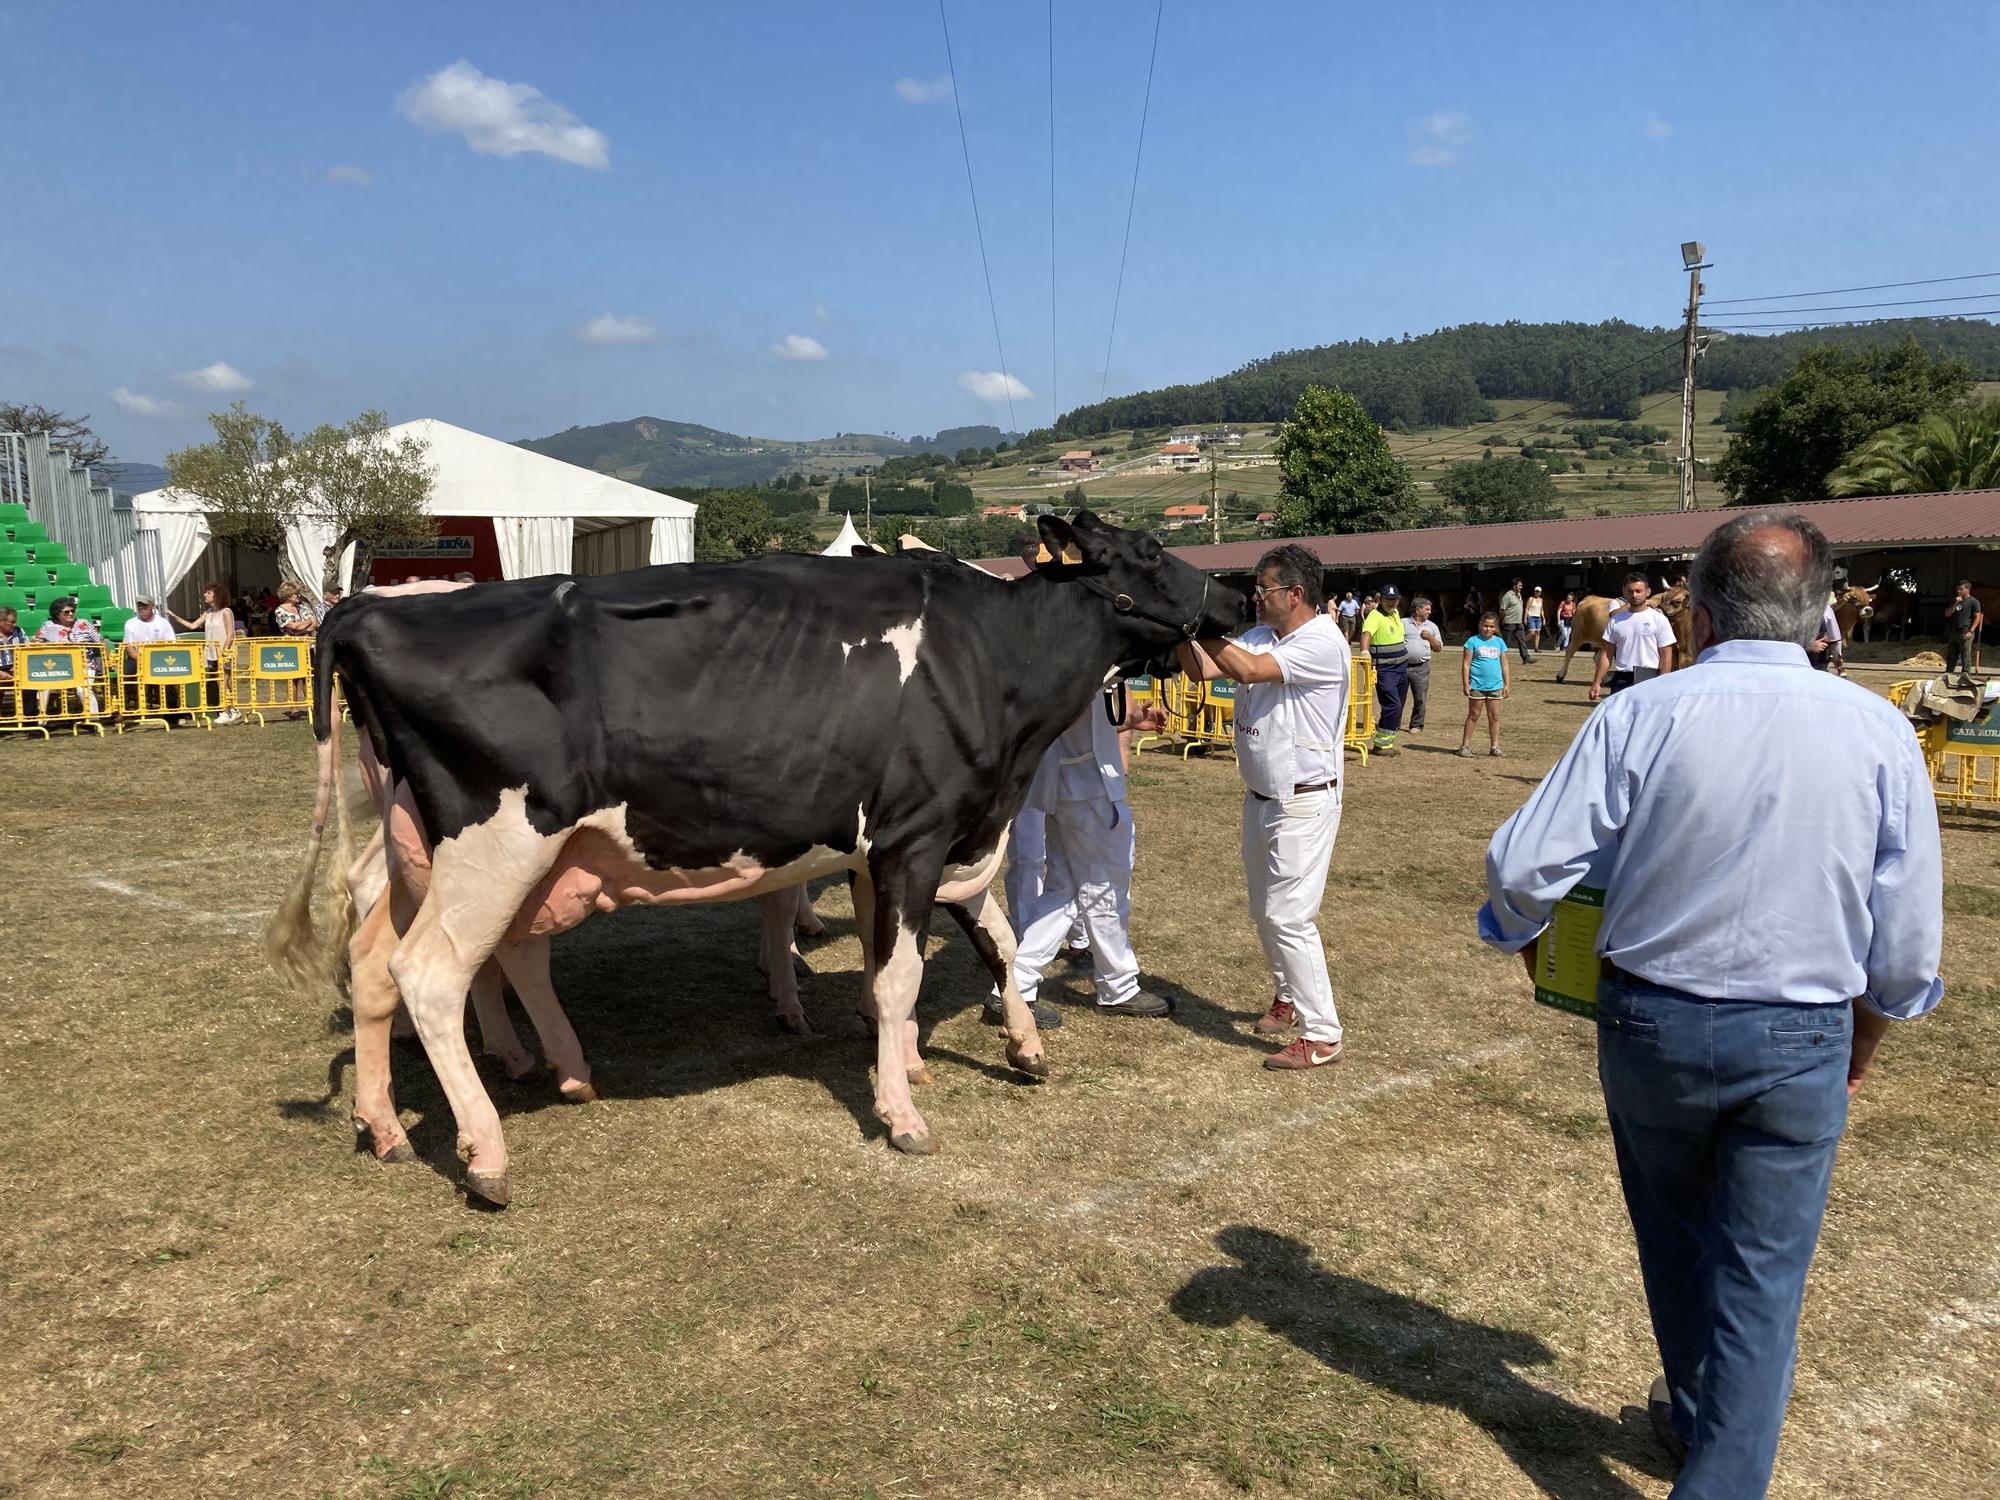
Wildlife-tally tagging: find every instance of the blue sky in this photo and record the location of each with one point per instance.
(315, 208)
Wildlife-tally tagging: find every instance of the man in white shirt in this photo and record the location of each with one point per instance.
(1638, 642)
(1291, 720)
(148, 627)
(1080, 789)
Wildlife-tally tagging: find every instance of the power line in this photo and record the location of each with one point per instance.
(1787, 312)
(1145, 108)
(1055, 411)
(1006, 380)
(1956, 317)
(1835, 291)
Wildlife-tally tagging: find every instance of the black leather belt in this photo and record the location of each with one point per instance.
(1302, 788)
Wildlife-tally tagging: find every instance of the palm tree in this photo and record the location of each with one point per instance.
(1948, 450)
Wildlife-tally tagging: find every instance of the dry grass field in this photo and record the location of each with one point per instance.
(1164, 1272)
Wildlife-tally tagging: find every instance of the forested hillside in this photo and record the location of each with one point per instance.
(1446, 378)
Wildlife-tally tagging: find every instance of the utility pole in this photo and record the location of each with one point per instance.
(1691, 347)
(1214, 509)
(868, 507)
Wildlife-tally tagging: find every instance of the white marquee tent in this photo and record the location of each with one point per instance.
(548, 516)
(844, 544)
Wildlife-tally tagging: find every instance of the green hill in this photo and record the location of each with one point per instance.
(661, 454)
(1450, 378)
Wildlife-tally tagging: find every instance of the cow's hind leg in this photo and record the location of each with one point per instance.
(479, 880)
(904, 890)
(527, 966)
(374, 999)
(806, 920)
(992, 938)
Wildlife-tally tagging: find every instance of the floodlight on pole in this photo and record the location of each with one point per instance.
(1693, 261)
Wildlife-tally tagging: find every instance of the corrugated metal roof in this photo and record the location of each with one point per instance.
(1958, 517)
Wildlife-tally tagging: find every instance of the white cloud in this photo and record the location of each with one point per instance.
(1440, 137)
(218, 379)
(351, 176)
(142, 406)
(498, 118)
(798, 346)
(923, 91)
(991, 385)
(610, 330)
(1658, 129)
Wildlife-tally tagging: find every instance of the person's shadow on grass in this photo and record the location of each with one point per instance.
(1413, 1350)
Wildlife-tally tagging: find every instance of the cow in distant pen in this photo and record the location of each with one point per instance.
(577, 744)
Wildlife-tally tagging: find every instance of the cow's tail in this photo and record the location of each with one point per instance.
(290, 942)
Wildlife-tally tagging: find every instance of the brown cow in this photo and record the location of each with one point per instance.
(1859, 609)
(1593, 611)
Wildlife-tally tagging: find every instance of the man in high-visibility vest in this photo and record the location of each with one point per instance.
(1383, 631)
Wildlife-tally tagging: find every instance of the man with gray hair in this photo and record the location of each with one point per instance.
(1291, 725)
(1764, 917)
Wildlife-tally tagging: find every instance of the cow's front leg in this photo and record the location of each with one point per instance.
(777, 957)
(497, 1037)
(904, 891)
(527, 966)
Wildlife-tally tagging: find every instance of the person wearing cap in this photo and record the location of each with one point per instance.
(1386, 636)
(331, 597)
(148, 627)
(1535, 612)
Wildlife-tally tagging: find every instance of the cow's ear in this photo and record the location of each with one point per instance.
(1058, 543)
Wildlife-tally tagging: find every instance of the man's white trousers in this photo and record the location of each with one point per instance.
(1287, 846)
(1089, 878)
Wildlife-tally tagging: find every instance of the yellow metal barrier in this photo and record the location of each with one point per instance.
(273, 677)
(171, 681)
(55, 685)
(1963, 758)
(1363, 713)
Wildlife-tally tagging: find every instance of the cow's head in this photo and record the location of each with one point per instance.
(1159, 599)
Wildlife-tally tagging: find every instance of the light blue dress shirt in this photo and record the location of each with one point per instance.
(1762, 831)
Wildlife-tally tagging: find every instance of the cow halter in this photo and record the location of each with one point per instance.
(1125, 604)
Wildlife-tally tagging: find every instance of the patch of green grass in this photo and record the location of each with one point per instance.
(105, 1447)
(166, 1255)
(1971, 901)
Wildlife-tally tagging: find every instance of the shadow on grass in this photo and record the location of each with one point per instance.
(1417, 1352)
(668, 1004)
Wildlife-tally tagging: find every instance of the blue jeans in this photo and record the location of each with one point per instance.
(1725, 1115)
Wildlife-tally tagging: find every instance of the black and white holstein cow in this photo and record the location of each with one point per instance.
(707, 732)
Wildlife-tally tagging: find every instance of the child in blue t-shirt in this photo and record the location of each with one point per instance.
(1488, 678)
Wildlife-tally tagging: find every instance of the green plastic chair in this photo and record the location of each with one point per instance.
(69, 575)
(50, 554)
(12, 511)
(28, 533)
(114, 614)
(13, 598)
(93, 596)
(33, 620)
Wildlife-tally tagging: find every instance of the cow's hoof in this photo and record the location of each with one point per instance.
(800, 968)
(921, 1073)
(490, 1186)
(914, 1142)
(1034, 1067)
(399, 1153)
(794, 1025)
(520, 1072)
(583, 1093)
(867, 1022)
